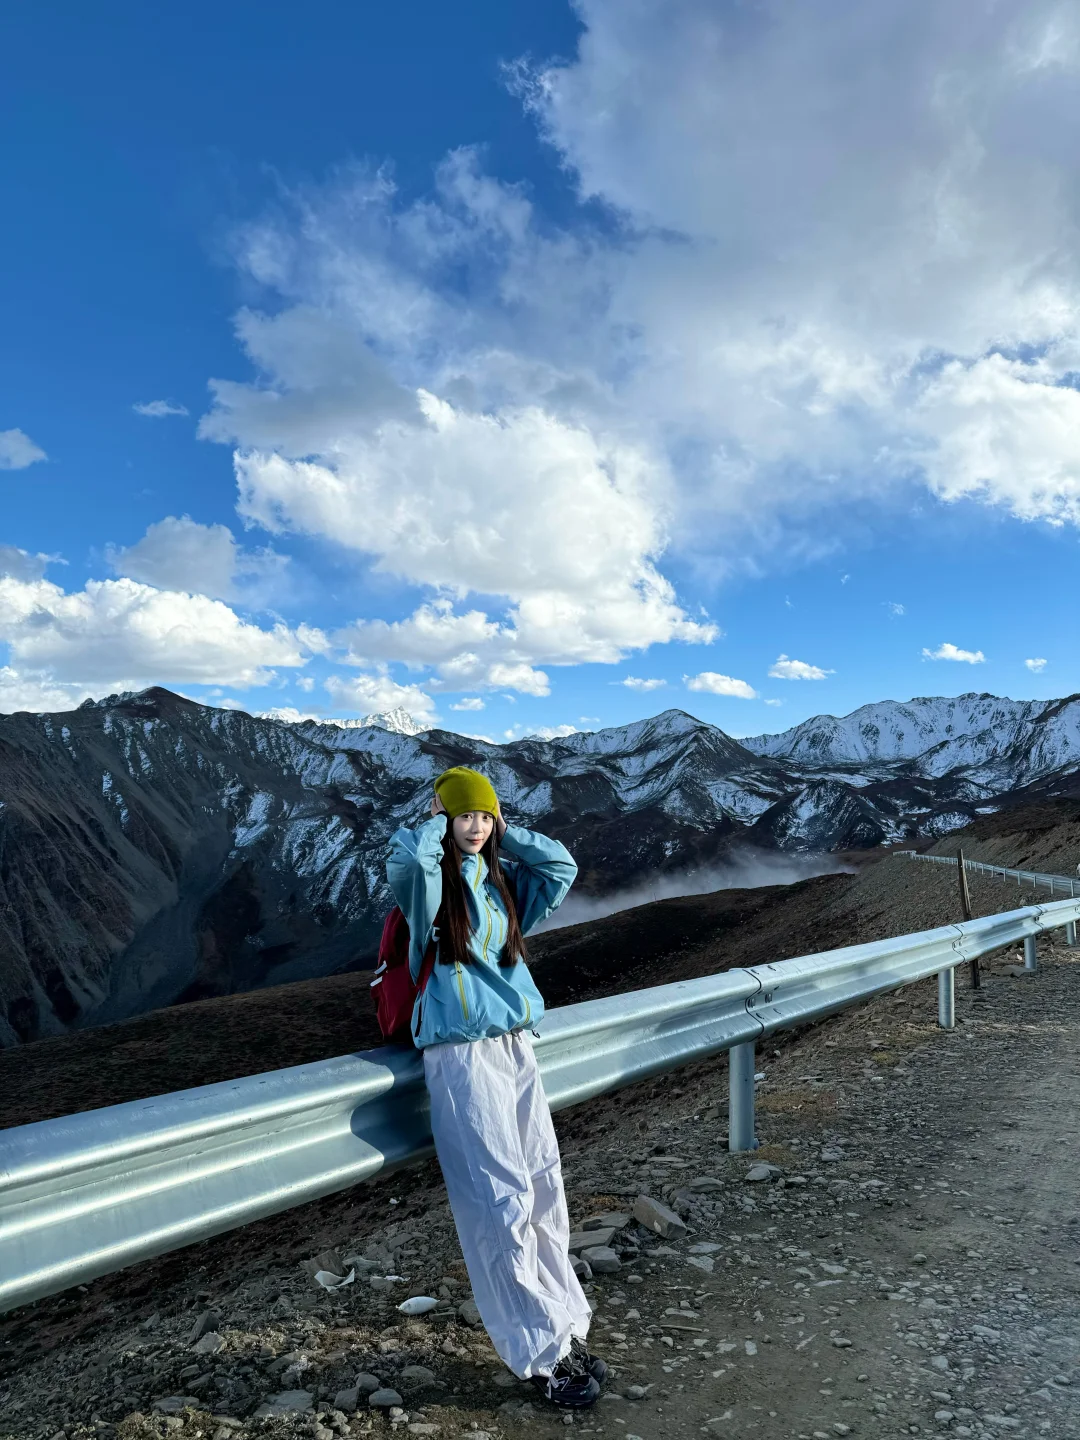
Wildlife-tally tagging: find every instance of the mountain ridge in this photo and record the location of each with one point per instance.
(155, 850)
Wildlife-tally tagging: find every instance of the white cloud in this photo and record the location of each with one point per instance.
(562, 521)
(529, 421)
(774, 702)
(1007, 432)
(716, 684)
(178, 553)
(159, 409)
(785, 669)
(127, 636)
(471, 702)
(633, 683)
(950, 652)
(373, 694)
(540, 732)
(21, 565)
(894, 607)
(305, 683)
(288, 713)
(1035, 666)
(17, 450)
(463, 649)
(23, 690)
(795, 172)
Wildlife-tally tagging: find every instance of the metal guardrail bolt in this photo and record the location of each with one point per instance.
(946, 999)
(741, 1098)
(1031, 953)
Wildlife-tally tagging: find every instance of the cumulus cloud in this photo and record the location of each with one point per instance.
(17, 450)
(951, 652)
(1036, 665)
(287, 713)
(819, 280)
(785, 669)
(632, 682)
(471, 702)
(21, 565)
(561, 521)
(178, 553)
(540, 732)
(25, 690)
(1006, 431)
(716, 684)
(372, 694)
(125, 636)
(159, 409)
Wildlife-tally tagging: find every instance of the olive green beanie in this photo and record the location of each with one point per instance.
(462, 790)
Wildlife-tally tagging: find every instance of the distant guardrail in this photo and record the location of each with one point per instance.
(87, 1194)
(1056, 884)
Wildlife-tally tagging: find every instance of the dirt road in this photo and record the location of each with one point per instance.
(913, 1269)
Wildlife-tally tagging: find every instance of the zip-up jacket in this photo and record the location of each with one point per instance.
(469, 1002)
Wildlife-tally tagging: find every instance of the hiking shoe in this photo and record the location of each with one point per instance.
(591, 1363)
(569, 1385)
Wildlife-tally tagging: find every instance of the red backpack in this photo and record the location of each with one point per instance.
(395, 993)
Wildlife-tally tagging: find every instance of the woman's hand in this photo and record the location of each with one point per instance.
(500, 826)
(437, 807)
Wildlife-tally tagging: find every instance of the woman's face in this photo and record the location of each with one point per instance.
(471, 831)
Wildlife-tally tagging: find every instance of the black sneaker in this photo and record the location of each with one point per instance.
(592, 1363)
(569, 1385)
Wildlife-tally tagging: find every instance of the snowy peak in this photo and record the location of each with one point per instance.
(398, 722)
(1004, 742)
(156, 849)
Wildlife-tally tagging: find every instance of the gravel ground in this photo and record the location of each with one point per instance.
(909, 1268)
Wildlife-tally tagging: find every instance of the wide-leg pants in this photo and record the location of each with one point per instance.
(500, 1160)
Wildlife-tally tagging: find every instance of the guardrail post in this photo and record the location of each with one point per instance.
(1031, 953)
(946, 999)
(741, 1097)
(1070, 933)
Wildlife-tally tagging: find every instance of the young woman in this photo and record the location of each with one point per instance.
(491, 1122)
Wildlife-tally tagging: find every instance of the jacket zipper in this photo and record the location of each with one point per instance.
(461, 991)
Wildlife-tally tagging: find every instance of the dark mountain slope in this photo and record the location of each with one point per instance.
(155, 850)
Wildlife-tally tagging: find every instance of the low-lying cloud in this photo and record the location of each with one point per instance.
(749, 870)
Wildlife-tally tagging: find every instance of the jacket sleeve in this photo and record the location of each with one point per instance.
(413, 869)
(543, 875)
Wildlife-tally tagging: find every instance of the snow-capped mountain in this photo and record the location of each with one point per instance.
(398, 720)
(154, 850)
(999, 744)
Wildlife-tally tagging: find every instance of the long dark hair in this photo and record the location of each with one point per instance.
(455, 927)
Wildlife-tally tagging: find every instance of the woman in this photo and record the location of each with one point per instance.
(490, 1119)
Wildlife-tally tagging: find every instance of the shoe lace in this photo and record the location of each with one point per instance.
(580, 1351)
(570, 1367)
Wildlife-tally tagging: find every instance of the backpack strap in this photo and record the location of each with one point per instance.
(427, 966)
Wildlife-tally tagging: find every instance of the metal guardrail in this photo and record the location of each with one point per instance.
(1056, 884)
(87, 1194)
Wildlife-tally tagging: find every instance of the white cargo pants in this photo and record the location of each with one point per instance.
(500, 1160)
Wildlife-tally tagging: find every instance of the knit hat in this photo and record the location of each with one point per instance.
(462, 790)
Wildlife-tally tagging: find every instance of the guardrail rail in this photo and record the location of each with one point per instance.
(87, 1194)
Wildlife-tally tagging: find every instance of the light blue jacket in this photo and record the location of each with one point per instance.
(469, 1002)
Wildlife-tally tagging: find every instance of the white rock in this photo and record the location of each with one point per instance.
(418, 1305)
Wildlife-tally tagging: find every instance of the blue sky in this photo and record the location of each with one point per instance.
(482, 360)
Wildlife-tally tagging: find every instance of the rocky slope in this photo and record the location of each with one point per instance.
(905, 1268)
(155, 850)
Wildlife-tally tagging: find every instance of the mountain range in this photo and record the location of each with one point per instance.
(154, 850)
